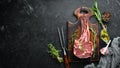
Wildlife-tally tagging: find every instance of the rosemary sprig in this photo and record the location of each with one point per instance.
(74, 35)
(94, 37)
(104, 34)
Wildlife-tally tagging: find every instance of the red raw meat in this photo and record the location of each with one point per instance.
(83, 47)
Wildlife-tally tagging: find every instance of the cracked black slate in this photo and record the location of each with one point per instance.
(27, 26)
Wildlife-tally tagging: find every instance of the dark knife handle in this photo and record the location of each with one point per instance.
(66, 61)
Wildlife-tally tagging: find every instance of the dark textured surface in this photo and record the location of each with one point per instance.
(27, 26)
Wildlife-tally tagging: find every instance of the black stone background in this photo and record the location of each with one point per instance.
(27, 26)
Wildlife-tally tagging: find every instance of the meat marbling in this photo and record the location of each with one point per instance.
(83, 47)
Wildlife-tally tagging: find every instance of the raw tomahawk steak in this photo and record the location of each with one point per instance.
(83, 47)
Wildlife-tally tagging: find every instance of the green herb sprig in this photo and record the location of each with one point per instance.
(54, 52)
(74, 35)
(104, 34)
(94, 37)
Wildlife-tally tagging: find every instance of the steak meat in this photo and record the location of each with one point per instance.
(83, 47)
